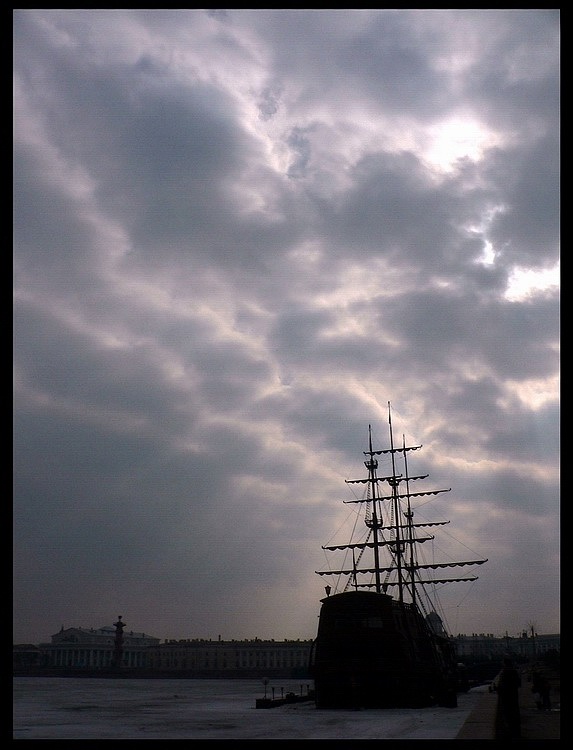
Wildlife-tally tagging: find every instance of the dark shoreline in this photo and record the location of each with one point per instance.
(147, 674)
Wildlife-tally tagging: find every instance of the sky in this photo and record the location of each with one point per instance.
(238, 235)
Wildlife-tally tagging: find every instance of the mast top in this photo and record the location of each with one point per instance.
(391, 531)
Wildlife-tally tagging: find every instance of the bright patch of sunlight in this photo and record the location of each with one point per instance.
(533, 393)
(525, 282)
(456, 139)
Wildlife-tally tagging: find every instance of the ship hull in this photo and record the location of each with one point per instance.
(374, 652)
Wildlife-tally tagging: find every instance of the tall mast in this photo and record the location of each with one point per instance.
(404, 571)
(409, 513)
(372, 464)
(394, 481)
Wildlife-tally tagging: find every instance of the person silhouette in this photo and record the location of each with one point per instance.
(542, 687)
(508, 717)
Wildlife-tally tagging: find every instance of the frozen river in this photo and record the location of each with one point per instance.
(85, 708)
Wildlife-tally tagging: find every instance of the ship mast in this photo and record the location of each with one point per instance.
(400, 527)
(409, 513)
(394, 481)
(372, 464)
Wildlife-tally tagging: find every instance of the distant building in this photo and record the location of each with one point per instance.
(81, 650)
(26, 656)
(94, 649)
(486, 646)
(87, 650)
(249, 658)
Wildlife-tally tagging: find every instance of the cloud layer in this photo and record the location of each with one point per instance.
(238, 235)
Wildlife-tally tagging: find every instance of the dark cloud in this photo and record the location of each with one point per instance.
(238, 235)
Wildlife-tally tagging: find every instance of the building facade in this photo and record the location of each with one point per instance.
(248, 658)
(80, 650)
(94, 649)
(486, 646)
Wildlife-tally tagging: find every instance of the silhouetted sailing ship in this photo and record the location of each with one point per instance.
(380, 640)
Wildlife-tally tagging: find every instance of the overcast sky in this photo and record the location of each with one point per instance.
(238, 235)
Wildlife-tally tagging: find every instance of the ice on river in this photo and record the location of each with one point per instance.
(86, 708)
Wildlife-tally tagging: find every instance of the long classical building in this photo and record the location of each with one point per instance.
(94, 649)
(486, 646)
(250, 658)
(89, 651)
(81, 651)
